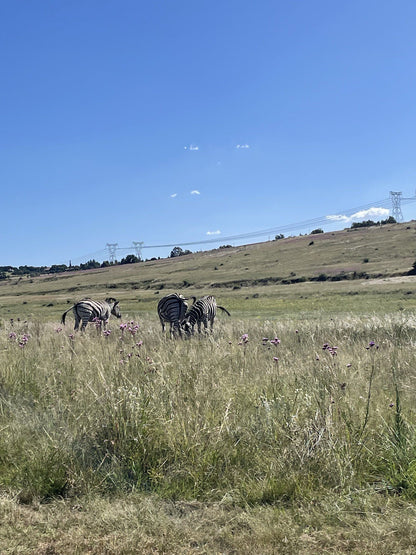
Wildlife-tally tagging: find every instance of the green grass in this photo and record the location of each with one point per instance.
(138, 443)
(212, 430)
(251, 279)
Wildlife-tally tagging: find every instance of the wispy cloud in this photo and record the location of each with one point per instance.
(191, 147)
(174, 195)
(242, 146)
(370, 213)
(218, 232)
(195, 192)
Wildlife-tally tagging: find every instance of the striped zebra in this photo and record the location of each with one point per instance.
(172, 309)
(87, 310)
(201, 312)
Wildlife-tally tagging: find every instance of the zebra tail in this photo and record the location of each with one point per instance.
(224, 309)
(64, 315)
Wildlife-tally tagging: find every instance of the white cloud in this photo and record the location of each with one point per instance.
(191, 147)
(218, 232)
(370, 213)
(174, 195)
(243, 146)
(337, 218)
(195, 192)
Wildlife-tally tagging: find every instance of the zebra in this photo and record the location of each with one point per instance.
(87, 310)
(172, 308)
(202, 311)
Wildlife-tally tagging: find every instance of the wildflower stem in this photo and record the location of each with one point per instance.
(367, 408)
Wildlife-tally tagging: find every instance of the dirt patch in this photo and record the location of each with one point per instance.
(393, 279)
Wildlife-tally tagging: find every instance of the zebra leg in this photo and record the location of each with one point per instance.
(77, 321)
(205, 321)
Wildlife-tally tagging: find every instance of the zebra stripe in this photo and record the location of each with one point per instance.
(201, 312)
(172, 309)
(87, 310)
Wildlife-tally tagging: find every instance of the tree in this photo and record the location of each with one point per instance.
(130, 259)
(318, 230)
(57, 268)
(177, 251)
(390, 220)
(89, 265)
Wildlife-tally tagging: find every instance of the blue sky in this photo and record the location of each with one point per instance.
(174, 122)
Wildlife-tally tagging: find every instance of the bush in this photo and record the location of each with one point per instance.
(178, 251)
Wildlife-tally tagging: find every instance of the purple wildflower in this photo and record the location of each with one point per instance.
(331, 350)
(133, 328)
(24, 339)
(243, 339)
(12, 335)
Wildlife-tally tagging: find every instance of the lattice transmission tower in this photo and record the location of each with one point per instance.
(112, 249)
(396, 200)
(138, 245)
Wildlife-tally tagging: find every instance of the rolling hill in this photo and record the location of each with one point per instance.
(323, 271)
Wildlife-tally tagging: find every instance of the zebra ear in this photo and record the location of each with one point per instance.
(115, 303)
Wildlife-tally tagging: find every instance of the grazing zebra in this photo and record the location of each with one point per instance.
(202, 311)
(87, 310)
(172, 309)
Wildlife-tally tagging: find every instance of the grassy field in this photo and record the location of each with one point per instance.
(290, 429)
(270, 279)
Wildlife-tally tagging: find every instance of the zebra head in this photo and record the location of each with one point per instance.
(187, 327)
(115, 309)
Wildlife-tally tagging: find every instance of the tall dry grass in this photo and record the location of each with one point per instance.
(257, 412)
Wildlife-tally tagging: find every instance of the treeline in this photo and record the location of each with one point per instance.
(369, 223)
(33, 271)
(355, 225)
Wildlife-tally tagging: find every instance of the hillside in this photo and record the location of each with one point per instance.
(297, 273)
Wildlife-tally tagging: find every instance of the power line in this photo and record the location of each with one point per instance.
(321, 220)
(264, 232)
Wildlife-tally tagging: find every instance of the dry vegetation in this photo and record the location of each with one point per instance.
(263, 280)
(290, 429)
